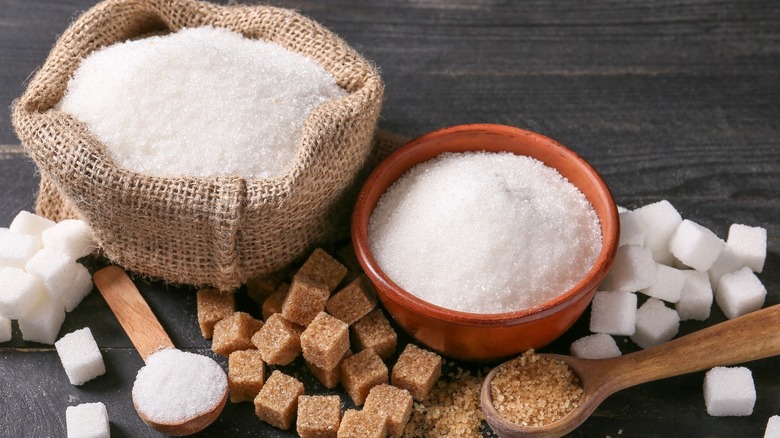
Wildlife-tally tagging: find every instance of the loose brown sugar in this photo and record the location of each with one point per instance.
(532, 390)
(213, 306)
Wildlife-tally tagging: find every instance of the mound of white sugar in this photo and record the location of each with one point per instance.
(200, 102)
(175, 386)
(484, 232)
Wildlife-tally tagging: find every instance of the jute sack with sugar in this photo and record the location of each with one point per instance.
(203, 231)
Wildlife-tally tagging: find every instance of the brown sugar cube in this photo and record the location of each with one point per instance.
(417, 370)
(213, 306)
(277, 402)
(352, 302)
(323, 269)
(325, 341)
(394, 404)
(361, 372)
(246, 374)
(330, 378)
(260, 288)
(273, 304)
(234, 333)
(279, 341)
(319, 416)
(362, 424)
(304, 300)
(374, 332)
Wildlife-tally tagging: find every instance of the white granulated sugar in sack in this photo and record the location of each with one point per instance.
(484, 232)
(668, 284)
(695, 245)
(631, 231)
(655, 324)
(729, 392)
(633, 269)
(16, 249)
(658, 221)
(696, 297)
(71, 236)
(87, 420)
(739, 293)
(748, 244)
(726, 263)
(29, 223)
(80, 356)
(772, 427)
(200, 102)
(19, 292)
(54, 269)
(598, 346)
(43, 322)
(5, 329)
(175, 385)
(613, 313)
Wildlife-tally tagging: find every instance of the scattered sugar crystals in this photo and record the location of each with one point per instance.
(484, 232)
(175, 385)
(200, 102)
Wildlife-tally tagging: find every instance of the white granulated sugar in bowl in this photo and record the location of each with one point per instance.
(175, 386)
(484, 232)
(200, 102)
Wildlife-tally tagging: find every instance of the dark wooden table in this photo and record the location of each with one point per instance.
(676, 100)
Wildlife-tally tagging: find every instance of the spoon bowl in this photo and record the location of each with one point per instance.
(749, 337)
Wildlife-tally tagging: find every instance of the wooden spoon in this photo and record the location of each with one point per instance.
(148, 337)
(750, 337)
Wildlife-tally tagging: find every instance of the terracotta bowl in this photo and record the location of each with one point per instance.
(482, 337)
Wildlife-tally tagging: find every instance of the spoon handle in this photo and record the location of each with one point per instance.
(749, 337)
(132, 311)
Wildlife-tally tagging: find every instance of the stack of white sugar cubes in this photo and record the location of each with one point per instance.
(680, 266)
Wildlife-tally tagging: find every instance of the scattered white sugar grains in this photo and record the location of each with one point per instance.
(695, 245)
(739, 293)
(749, 245)
(659, 221)
(668, 284)
(633, 269)
(613, 313)
(19, 292)
(43, 322)
(16, 249)
(655, 324)
(484, 232)
(54, 269)
(631, 231)
(5, 329)
(29, 223)
(598, 346)
(726, 263)
(772, 427)
(200, 102)
(80, 356)
(78, 289)
(87, 420)
(175, 385)
(729, 392)
(71, 236)
(696, 297)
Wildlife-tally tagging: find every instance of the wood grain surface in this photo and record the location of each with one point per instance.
(676, 100)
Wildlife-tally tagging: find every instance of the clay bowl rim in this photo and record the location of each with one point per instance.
(365, 205)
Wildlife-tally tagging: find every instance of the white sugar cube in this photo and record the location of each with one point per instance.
(19, 292)
(655, 324)
(729, 392)
(695, 245)
(80, 356)
(55, 270)
(696, 297)
(71, 236)
(659, 221)
(726, 263)
(613, 313)
(772, 427)
(739, 293)
(598, 346)
(749, 245)
(80, 288)
(632, 270)
(631, 232)
(5, 329)
(29, 223)
(668, 284)
(16, 249)
(43, 322)
(87, 420)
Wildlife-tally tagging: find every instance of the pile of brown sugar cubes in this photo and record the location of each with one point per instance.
(307, 318)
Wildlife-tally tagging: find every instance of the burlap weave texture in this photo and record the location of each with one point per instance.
(216, 231)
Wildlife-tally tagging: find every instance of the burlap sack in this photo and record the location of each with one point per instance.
(218, 231)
